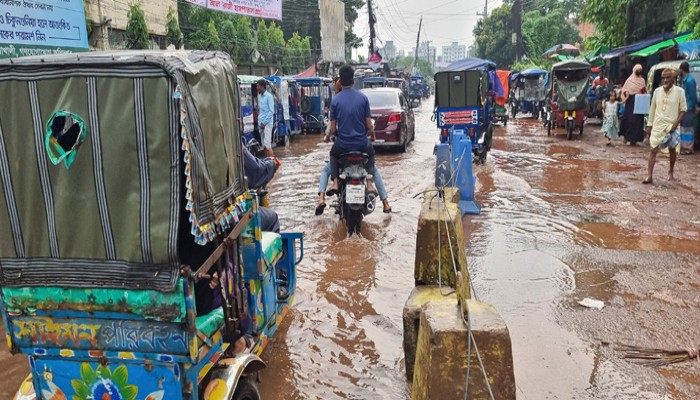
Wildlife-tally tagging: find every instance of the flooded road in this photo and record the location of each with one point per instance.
(561, 221)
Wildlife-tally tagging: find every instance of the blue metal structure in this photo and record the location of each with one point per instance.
(529, 91)
(374, 82)
(418, 89)
(249, 102)
(461, 102)
(286, 96)
(316, 94)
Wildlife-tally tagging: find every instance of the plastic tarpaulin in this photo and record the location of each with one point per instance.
(633, 47)
(496, 86)
(503, 79)
(690, 49)
(466, 64)
(572, 95)
(653, 49)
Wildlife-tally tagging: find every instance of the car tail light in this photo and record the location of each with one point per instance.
(394, 118)
(355, 181)
(471, 132)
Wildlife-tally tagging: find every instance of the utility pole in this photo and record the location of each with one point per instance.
(517, 23)
(486, 10)
(415, 58)
(372, 21)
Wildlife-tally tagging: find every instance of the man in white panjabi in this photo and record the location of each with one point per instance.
(665, 114)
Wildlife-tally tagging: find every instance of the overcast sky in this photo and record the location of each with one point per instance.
(444, 22)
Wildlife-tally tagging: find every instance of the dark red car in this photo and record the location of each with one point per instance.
(394, 124)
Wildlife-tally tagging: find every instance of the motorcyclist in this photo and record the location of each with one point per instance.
(351, 123)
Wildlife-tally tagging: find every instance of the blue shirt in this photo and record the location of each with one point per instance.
(267, 108)
(349, 108)
(691, 92)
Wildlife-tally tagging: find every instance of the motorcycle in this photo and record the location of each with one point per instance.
(355, 199)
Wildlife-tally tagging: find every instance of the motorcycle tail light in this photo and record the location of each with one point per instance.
(471, 132)
(394, 118)
(354, 159)
(355, 181)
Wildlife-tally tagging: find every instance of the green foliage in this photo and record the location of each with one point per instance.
(136, 28)
(423, 66)
(569, 8)
(173, 33)
(493, 36)
(351, 39)
(297, 53)
(688, 17)
(206, 38)
(520, 65)
(544, 30)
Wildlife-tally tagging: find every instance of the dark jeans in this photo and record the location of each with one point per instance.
(336, 152)
(269, 221)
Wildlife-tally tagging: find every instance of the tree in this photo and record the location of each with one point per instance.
(688, 17)
(136, 29)
(423, 66)
(544, 30)
(569, 8)
(173, 33)
(207, 38)
(492, 35)
(298, 52)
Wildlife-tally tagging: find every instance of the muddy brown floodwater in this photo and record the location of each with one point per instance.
(561, 220)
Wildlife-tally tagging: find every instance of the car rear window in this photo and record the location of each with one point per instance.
(382, 99)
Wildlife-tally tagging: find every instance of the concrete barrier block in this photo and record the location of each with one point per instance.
(441, 356)
(434, 261)
(419, 297)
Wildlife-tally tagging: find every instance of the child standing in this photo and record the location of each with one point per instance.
(611, 123)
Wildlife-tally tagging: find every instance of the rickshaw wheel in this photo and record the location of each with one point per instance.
(505, 120)
(569, 130)
(246, 390)
(549, 127)
(580, 131)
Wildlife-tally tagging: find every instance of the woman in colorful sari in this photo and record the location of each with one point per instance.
(631, 124)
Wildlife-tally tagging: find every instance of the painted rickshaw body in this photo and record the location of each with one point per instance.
(529, 91)
(567, 99)
(461, 103)
(122, 193)
(316, 94)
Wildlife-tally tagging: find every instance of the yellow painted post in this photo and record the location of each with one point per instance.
(434, 260)
(418, 298)
(441, 357)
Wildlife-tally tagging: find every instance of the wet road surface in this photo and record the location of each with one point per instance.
(560, 221)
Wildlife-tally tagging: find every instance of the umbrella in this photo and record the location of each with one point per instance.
(561, 50)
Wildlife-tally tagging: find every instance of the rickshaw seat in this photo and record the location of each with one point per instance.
(271, 245)
(208, 324)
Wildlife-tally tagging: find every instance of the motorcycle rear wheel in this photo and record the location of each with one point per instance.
(353, 220)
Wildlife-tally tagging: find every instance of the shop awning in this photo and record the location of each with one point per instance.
(650, 41)
(653, 49)
(690, 49)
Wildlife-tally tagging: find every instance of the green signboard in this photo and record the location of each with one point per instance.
(39, 27)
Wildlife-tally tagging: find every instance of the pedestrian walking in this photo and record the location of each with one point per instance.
(632, 125)
(611, 123)
(667, 109)
(691, 99)
(266, 117)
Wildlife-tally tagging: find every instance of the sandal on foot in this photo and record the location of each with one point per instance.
(647, 181)
(332, 192)
(320, 208)
(387, 209)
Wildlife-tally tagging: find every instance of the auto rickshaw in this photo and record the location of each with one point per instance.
(315, 100)
(375, 82)
(398, 83)
(499, 113)
(285, 118)
(529, 91)
(126, 202)
(461, 92)
(417, 88)
(249, 105)
(567, 97)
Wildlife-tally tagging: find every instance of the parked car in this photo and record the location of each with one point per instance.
(394, 124)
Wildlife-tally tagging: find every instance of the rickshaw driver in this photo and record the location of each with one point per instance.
(266, 117)
(351, 123)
